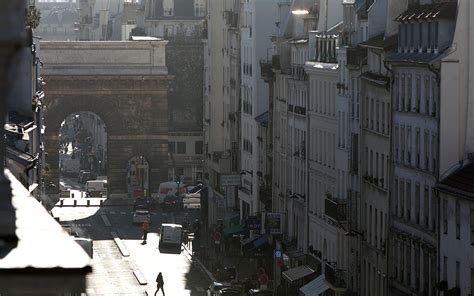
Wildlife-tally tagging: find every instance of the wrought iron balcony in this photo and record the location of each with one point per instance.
(337, 278)
(336, 209)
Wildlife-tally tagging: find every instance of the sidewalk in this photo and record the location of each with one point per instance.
(209, 261)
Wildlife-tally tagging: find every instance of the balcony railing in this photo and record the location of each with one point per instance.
(298, 72)
(336, 209)
(266, 70)
(337, 278)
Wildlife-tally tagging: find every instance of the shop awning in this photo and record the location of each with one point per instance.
(233, 229)
(262, 240)
(315, 287)
(232, 218)
(297, 273)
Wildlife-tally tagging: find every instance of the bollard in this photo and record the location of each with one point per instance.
(72, 195)
(75, 202)
(101, 202)
(61, 202)
(88, 202)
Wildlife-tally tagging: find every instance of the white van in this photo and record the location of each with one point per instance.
(171, 235)
(170, 188)
(96, 187)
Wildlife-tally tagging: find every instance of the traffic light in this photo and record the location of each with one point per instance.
(178, 181)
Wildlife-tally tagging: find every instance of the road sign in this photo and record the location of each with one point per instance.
(263, 279)
(217, 236)
(230, 180)
(278, 254)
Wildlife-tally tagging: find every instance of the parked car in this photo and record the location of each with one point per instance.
(141, 215)
(229, 292)
(215, 287)
(143, 203)
(172, 203)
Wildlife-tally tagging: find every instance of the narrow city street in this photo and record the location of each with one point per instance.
(114, 273)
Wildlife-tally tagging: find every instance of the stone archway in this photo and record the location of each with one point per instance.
(125, 84)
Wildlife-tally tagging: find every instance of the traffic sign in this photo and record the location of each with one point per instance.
(230, 180)
(278, 254)
(217, 236)
(263, 279)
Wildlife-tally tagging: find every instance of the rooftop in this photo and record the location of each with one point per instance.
(444, 10)
(43, 249)
(381, 42)
(460, 182)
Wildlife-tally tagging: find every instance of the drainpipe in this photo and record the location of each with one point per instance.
(387, 240)
(12, 38)
(437, 74)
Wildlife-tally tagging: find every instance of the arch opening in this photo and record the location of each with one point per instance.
(138, 171)
(82, 151)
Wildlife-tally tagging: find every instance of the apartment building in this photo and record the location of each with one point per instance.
(326, 208)
(170, 18)
(456, 158)
(423, 37)
(259, 23)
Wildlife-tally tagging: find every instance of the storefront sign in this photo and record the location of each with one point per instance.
(253, 223)
(273, 222)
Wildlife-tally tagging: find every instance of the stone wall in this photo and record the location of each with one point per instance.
(134, 108)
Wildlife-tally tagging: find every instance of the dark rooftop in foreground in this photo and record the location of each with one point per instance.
(460, 182)
(45, 252)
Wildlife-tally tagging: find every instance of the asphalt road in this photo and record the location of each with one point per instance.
(113, 273)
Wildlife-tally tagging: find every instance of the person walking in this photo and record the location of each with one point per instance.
(160, 284)
(146, 228)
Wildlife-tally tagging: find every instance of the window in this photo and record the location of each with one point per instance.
(418, 91)
(472, 228)
(408, 258)
(395, 203)
(445, 216)
(417, 203)
(198, 147)
(445, 268)
(409, 93)
(171, 147)
(402, 198)
(181, 147)
(417, 268)
(396, 143)
(417, 147)
(426, 207)
(402, 94)
(434, 152)
(458, 273)
(395, 257)
(408, 145)
(426, 145)
(472, 280)
(427, 95)
(408, 188)
(458, 220)
(403, 141)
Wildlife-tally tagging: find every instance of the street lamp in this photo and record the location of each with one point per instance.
(354, 233)
(244, 172)
(297, 195)
(300, 9)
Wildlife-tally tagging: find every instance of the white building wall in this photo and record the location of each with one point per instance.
(457, 94)
(457, 242)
